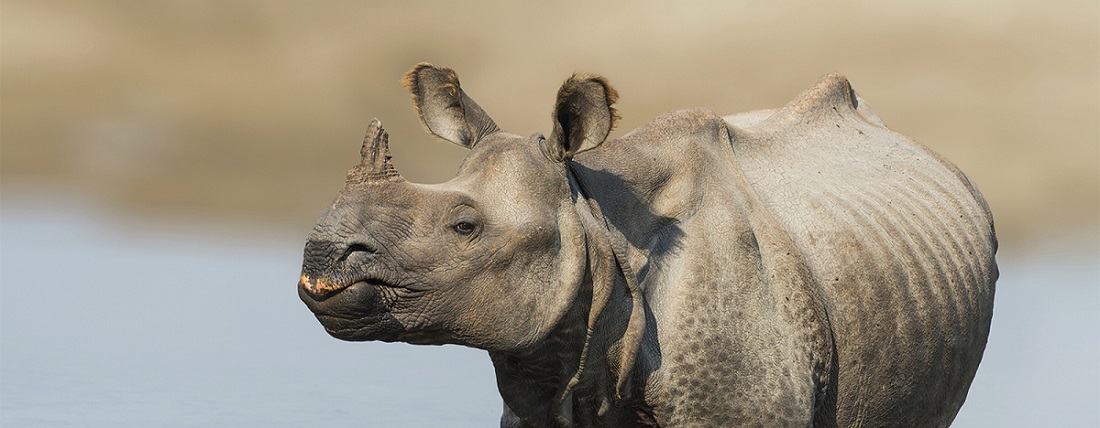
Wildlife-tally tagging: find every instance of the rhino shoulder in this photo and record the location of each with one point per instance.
(675, 145)
(676, 125)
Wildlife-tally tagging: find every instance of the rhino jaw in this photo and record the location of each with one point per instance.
(356, 312)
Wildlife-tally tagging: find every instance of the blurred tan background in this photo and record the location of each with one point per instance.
(252, 111)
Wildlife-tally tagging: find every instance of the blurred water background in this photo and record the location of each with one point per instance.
(161, 164)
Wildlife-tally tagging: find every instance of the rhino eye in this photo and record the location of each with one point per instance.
(464, 227)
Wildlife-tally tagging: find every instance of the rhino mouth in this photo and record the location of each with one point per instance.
(392, 290)
(384, 287)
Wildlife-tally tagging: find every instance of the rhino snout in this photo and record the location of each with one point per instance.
(329, 267)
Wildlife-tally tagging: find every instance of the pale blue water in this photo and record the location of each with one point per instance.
(103, 327)
(106, 321)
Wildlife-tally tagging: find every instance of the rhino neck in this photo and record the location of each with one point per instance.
(569, 379)
(611, 272)
(582, 372)
(531, 380)
(647, 184)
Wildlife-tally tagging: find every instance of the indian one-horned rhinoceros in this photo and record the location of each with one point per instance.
(804, 266)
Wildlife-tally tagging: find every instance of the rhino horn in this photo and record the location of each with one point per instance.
(375, 164)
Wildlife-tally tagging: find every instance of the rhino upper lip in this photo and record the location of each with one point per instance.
(369, 281)
(375, 282)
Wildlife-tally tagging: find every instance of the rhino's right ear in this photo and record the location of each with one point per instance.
(444, 108)
(583, 114)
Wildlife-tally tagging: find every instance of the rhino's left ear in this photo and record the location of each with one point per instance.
(444, 108)
(583, 114)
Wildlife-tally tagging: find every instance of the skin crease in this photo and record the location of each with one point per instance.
(803, 266)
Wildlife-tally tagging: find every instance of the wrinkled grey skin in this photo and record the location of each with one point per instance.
(804, 266)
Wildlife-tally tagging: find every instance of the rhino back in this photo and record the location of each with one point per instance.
(898, 240)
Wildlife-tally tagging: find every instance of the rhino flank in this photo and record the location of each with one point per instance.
(804, 266)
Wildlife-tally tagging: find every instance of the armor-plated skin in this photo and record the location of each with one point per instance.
(798, 267)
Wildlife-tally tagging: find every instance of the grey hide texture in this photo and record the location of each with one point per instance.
(804, 266)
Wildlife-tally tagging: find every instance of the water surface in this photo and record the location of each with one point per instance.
(102, 327)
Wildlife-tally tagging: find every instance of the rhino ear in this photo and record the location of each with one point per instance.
(444, 108)
(583, 114)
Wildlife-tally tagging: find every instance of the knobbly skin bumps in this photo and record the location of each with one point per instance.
(803, 266)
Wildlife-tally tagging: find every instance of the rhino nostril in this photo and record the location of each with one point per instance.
(357, 248)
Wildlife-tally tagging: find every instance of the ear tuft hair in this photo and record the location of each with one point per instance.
(611, 96)
(444, 109)
(584, 113)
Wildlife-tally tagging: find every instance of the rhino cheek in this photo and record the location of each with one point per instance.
(515, 304)
(502, 322)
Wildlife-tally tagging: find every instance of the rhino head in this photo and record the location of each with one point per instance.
(493, 258)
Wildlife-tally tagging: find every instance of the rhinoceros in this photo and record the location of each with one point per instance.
(803, 266)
